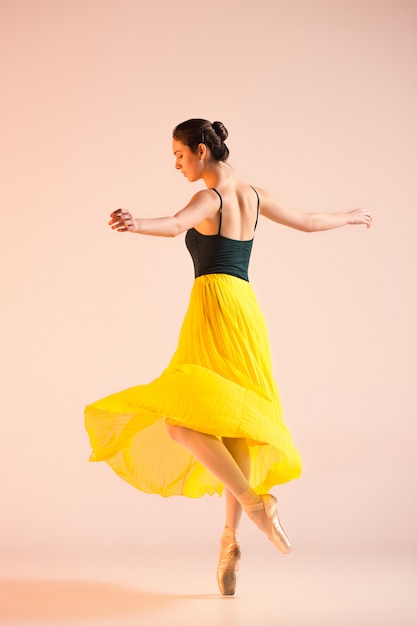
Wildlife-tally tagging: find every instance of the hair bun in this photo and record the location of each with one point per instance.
(220, 130)
(196, 131)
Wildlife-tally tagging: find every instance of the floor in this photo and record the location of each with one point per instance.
(168, 588)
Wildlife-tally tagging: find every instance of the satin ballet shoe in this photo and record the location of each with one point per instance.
(227, 568)
(275, 533)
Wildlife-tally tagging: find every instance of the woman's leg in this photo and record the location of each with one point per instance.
(230, 554)
(239, 450)
(215, 456)
(229, 460)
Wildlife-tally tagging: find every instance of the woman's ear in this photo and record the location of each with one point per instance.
(202, 150)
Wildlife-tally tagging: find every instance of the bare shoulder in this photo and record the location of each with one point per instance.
(265, 197)
(205, 196)
(271, 208)
(269, 205)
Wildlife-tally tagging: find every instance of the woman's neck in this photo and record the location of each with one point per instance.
(214, 175)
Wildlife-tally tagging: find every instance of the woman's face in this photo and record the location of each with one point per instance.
(189, 164)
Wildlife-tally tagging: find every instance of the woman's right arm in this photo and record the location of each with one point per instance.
(309, 222)
(203, 205)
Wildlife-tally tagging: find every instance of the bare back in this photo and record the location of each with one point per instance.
(238, 213)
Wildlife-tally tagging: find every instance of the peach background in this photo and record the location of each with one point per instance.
(319, 98)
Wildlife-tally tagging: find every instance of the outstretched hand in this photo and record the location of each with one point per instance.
(360, 216)
(122, 221)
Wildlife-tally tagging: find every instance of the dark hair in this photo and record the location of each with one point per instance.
(195, 131)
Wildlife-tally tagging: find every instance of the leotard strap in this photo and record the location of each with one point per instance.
(257, 207)
(221, 205)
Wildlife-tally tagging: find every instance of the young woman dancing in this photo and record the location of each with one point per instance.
(212, 421)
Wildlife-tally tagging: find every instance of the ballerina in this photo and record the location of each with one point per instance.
(212, 421)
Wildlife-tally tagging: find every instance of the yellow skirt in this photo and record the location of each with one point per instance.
(219, 382)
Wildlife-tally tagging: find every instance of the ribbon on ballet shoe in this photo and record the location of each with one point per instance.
(250, 501)
(253, 507)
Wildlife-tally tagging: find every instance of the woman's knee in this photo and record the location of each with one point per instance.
(235, 445)
(173, 431)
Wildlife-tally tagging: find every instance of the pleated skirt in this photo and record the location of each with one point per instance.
(219, 382)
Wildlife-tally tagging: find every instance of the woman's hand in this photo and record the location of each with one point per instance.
(360, 216)
(122, 221)
(204, 204)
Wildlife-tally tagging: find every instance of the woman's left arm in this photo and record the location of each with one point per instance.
(326, 221)
(271, 208)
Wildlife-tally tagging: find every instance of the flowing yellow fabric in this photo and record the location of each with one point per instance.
(219, 382)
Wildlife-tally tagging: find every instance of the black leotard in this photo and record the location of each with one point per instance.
(216, 254)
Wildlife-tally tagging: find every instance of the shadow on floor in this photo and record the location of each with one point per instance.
(53, 599)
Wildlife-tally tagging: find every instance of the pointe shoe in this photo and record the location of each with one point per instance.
(275, 533)
(227, 568)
